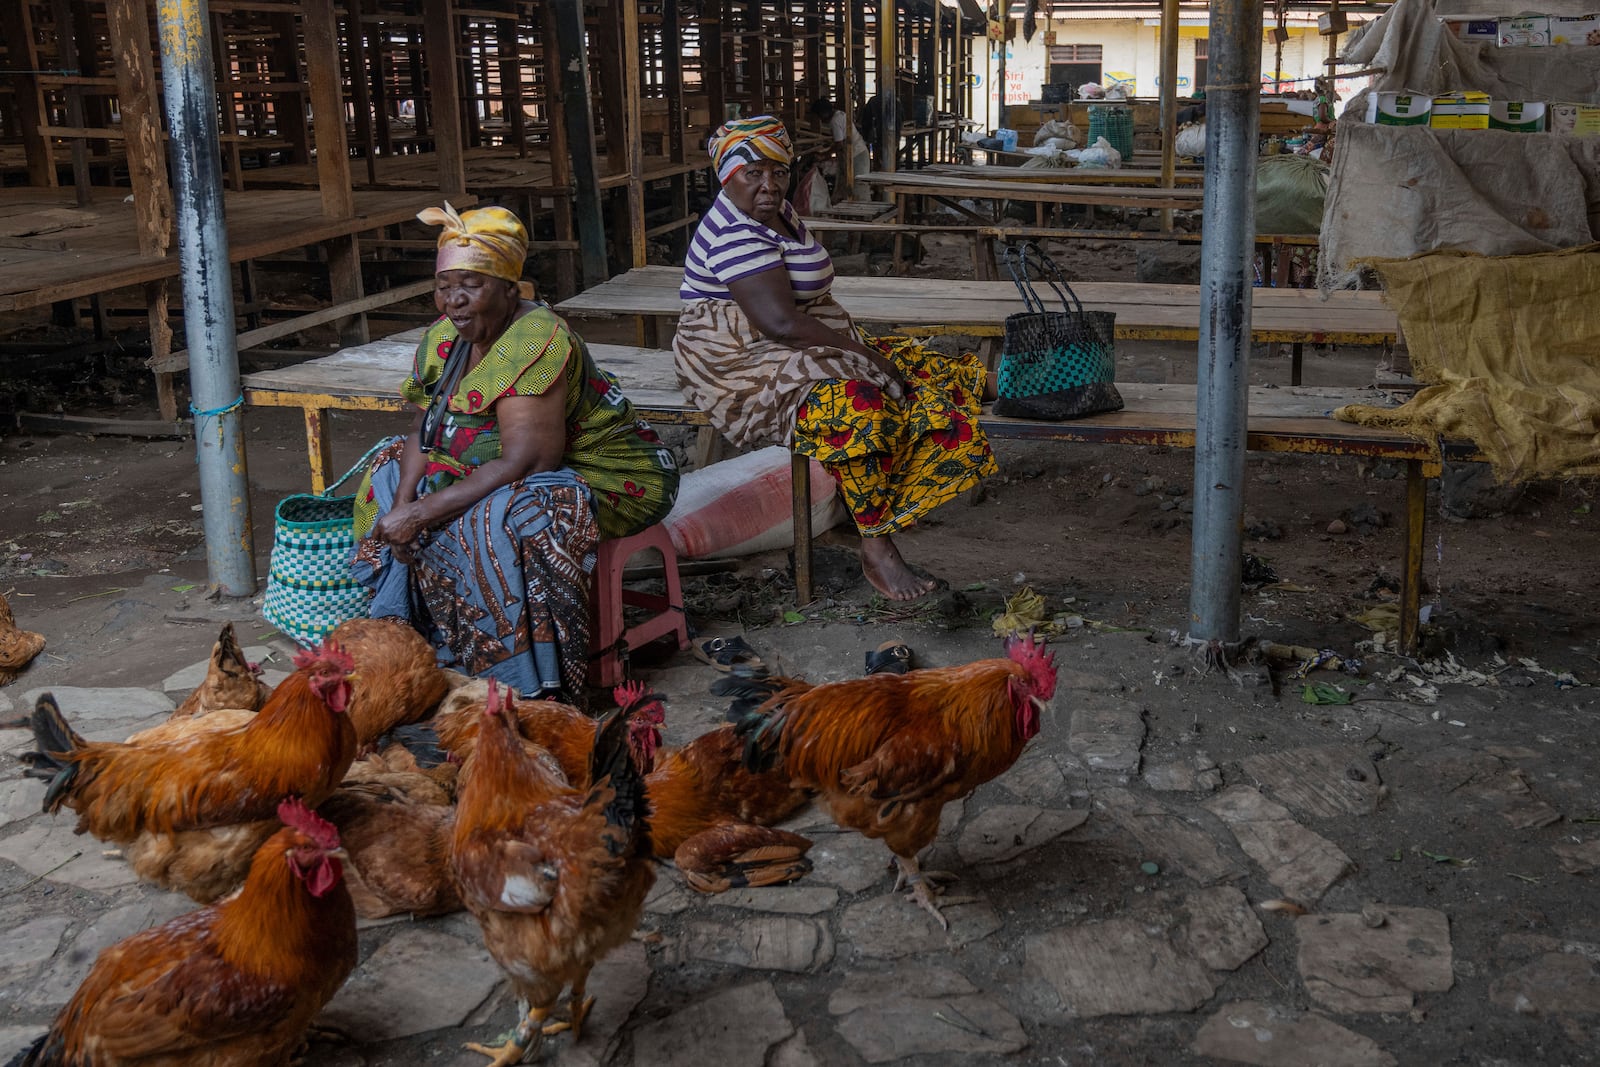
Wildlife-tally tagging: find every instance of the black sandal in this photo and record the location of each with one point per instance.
(891, 657)
(728, 654)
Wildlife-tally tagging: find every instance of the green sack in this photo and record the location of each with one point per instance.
(1054, 364)
(1290, 191)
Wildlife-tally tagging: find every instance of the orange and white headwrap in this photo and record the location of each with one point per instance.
(490, 240)
(747, 141)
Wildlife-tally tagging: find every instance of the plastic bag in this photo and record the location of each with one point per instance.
(1091, 91)
(1100, 155)
(744, 505)
(811, 195)
(1290, 191)
(1191, 141)
(1052, 130)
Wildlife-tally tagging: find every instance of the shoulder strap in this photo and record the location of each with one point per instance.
(360, 465)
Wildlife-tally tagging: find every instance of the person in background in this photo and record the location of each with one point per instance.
(764, 349)
(479, 527)
(847, 140)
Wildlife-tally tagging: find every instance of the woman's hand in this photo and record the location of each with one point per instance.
(400, 527)
(769, 302)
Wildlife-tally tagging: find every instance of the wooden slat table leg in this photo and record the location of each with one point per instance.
(319, 448)
(1411, 577)
(1297, 352)
(800, 475)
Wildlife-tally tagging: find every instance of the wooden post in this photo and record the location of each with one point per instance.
(355, 60)
(672, 85)
(444, 97)
(847, 95)
(572, 54)
(419, 86)
(378, 65)
(560, 155)
(16, 25)
(223, 64)
(511, 83)
(713, 65)
(1169, 103)
(633, 134)
(888, 100)
(67, 48)
(128, 27)
(290, 105)
(321, 29)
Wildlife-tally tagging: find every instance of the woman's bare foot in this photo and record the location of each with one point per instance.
(888, 573)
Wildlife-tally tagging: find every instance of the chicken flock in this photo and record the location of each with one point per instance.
(370, 782)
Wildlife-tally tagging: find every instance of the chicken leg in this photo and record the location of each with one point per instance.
(924, 887)
(525, 1041)
(578, 1007)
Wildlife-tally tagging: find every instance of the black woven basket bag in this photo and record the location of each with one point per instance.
(1054, 364)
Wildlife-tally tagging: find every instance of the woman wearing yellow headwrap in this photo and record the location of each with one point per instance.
(766, 351)
(479, 527)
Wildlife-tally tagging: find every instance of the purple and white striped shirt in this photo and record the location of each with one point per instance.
(729, 245)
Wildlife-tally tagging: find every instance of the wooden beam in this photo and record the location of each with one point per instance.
(633, 139)
(288, 105)
(1169, 102)
(378, 65)
(560, 159)
(888, 100)
(67, 49)
(444, 95)
(128, 24)
(510, 36)
(321, 29)
(16, 25)
(572, 54)
(355, 57)
(222, 64)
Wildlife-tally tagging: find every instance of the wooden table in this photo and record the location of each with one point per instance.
(1141, 176)
(950, 191)
(931, 306)
(1284, 420)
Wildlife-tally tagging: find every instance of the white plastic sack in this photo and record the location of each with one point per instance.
(744, 505)
(1191, 141)
(1053, 130)
(812, 196)
(1091, 91)
(1100, 155)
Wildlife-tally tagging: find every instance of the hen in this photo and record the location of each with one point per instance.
(401, 681)
(231, 681)
(564, 732)
(555, 876)
(231, 985)
(17, 646)
(396, 827)
(299, 744)
(888, 751)
(712, 817)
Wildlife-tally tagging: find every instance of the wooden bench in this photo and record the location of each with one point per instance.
(1282, 420)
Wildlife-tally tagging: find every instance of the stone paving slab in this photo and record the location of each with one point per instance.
(916, 1011)
(780, 899)
(1350, 966)
(6, 706)
(1168, 838)
(47, 847)
(20, 799)
(1194, 772)
(669, 895)
(1577, 857)
(618, 983)
(1034, 778)
(1219, 928)
(731, 1028)
(13, 1039)
(92, 705)
(1324, 781)
(849, 861)
(1556, 983)
(1117, 967)
(1106, 732)
(762, 942)
(1302, 863)
(60, 980)
(1268, 1036)
(794, 1052)
(417, 981)
(893, 925)
(1005, 831)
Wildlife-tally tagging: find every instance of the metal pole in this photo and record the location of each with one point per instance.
(1169, 103)
(1222, 397)
(191, 104)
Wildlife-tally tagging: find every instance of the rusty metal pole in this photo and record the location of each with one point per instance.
(1233, 121)
(215, 397)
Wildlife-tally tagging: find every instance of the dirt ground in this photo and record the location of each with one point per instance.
(100, 549)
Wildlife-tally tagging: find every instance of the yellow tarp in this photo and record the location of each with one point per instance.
(1509, 347)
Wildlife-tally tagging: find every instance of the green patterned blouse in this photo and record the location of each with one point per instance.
(633, 476)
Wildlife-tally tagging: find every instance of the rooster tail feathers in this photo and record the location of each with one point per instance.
(56, 740)
(611, 766)
(748, 693)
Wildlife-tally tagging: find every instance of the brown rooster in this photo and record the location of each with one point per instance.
(299, 744)
(401, 681)
(888, 751)
(712, 817)
(555, 876)
(561, 730)
(232, 985)
(231, 681)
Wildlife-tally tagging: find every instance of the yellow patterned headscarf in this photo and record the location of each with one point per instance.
(490, 240)
(748, 140)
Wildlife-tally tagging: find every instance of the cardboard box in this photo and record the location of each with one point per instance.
(1460, 111)
(1332, 23)
(1577, 120)
(1399, 109)
(1518, 116)
(1487, 30)
(1525, 31)
(1584, 30)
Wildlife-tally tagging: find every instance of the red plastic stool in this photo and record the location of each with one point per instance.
(612, 639)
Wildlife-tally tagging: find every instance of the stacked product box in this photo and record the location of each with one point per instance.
(1399, 109)
(1460, 111)
(1576, 120)
(1517, 116)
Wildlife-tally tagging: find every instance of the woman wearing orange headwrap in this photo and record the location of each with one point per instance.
(522, 456)
(764, 349)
